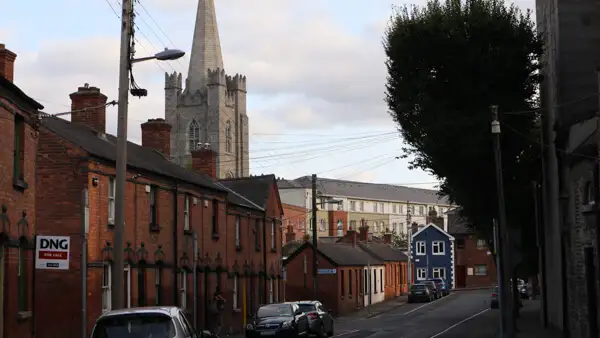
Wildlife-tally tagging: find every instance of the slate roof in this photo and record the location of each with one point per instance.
(105, 147)
(18, 94)
(254, 188)
(384, 252)
(371, 191)
(341, 254)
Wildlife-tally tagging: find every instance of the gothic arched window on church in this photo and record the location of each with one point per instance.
(228, 145)
(194, 135)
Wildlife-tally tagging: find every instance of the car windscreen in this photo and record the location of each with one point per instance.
(307, 307)
(135, 325)
(278, 310)
(418, 287)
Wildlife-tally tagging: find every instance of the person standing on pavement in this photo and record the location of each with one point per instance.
(217, 306)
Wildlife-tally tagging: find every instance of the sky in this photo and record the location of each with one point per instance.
(315, 69)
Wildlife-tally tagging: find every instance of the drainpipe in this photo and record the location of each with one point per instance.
(175, 242)
(264, 278)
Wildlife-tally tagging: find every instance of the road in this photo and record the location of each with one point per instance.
(463, 314)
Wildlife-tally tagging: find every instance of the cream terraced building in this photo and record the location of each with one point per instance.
(383, 207)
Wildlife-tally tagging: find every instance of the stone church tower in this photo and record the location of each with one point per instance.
(211, 110)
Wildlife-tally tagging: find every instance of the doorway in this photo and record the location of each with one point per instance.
(461, 276)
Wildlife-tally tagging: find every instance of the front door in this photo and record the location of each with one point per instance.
(461, 276)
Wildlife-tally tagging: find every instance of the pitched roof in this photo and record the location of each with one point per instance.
(371, 191)
(253, 188)
(105, 147)
(384, 251)
(12, 90)
(431, 225)
(341, 254)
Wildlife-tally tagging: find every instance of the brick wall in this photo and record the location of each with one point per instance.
(469, 256)
(294, 216)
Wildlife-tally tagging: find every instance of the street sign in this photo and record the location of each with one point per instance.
(52, 252)
(326, 271)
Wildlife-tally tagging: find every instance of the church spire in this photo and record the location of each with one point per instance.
(206, 47)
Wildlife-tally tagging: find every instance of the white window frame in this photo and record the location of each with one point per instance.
(382, 208)
(421, 273)
(479, 273)
(362, 206)
(439, 273)
(352, 205)
(421, 209)
(237, 231)
(106, 287)
(394, 208)
(481, 247)
(420, 248)
(438, 248)
(273, 235)
(234, 301)
(186, 213)
(183, 289)
(127, 271)
(322, 225)
(271, 300)
(112, 186)
(374, 206)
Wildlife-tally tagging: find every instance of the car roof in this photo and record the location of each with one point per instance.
(312, 302)
(165, 310)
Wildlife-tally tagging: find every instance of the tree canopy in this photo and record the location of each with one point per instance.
(447, 63)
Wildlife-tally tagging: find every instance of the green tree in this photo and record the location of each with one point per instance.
(447, 63)
(399, 240)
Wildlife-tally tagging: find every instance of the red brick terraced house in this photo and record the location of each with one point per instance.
(19, 125)
(474, 264)
(294, 222)
(166, 205)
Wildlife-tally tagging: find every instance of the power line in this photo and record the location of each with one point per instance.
(539, 110)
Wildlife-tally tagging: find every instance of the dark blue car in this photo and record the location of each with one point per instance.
(441, 285)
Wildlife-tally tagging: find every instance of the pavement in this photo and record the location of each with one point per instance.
(464, 314)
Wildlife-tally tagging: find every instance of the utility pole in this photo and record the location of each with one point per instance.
(314, 234)
(597, 178)
(506, 326)
(117, 294)
(409, 232)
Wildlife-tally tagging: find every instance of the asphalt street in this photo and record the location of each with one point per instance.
(463, 314)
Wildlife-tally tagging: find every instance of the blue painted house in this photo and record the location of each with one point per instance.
(432, 251)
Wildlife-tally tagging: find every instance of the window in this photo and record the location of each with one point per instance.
(215, 218)
(374, 281)
(421, 274)
(382, 224)
(438, 248)
(420, 248)
(186, 213)
(228, 143)
(374, 206)
(481, 244)
(381, 279)
(106, 287)
(271, 286)
(343, 281)
(401, 209)
(352, 205)
(340, 205)
(273, 231)
(112, 187)
(299, 225)
(460, 243)
(157, 285)
(481, 270)
(394, 208)
(421, 210)
(22, 278)
(153, 202)
(322, 225)
(353, 225)
(350, 282)
(439, 273)
(19, 150)
(234, 301)
(193, 135)
(183, 289)
(257, 234)
(237, 231)
(366, 284)
(381, 207)
(588, 197)
(362, 206)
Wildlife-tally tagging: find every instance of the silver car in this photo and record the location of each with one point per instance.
(320, 321)
(146, 322)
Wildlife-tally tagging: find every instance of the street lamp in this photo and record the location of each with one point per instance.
(125, 63)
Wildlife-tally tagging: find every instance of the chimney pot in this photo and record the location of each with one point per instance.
(205, 161)
(88, 107)
(156, 134)
(364, 233)
(7, 63)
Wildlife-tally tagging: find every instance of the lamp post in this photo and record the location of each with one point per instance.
(125, 63)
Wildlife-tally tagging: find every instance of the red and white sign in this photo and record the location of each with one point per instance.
(52, 252)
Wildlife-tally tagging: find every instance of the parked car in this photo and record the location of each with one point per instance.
(420, 293)
(320, 321)
(284, 320)
(167, 321)
(494, 300)
(441, 285)
(436, 292)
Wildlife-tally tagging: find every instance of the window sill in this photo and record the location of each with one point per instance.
(23, 315)
(154, 227)
(188, 232)
(438, 254)
(20, 185)
(215, 236)
(110, 225)
(238, 248)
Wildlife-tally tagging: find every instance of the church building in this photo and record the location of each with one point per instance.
(210, 112)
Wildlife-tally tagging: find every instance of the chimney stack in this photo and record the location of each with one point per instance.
(88, 106)
(354, 236)
(205, 161)
(414, 228)
(387, 238)
(363, 231)
(7, 63)
(156, 134)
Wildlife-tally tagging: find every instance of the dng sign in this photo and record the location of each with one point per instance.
(54, 244)
(52, 252)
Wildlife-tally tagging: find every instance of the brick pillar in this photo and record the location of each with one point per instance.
(156, 134)
(363, 233)
(387, 238)
(205, 161)
(7, 63)
(88, 106)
